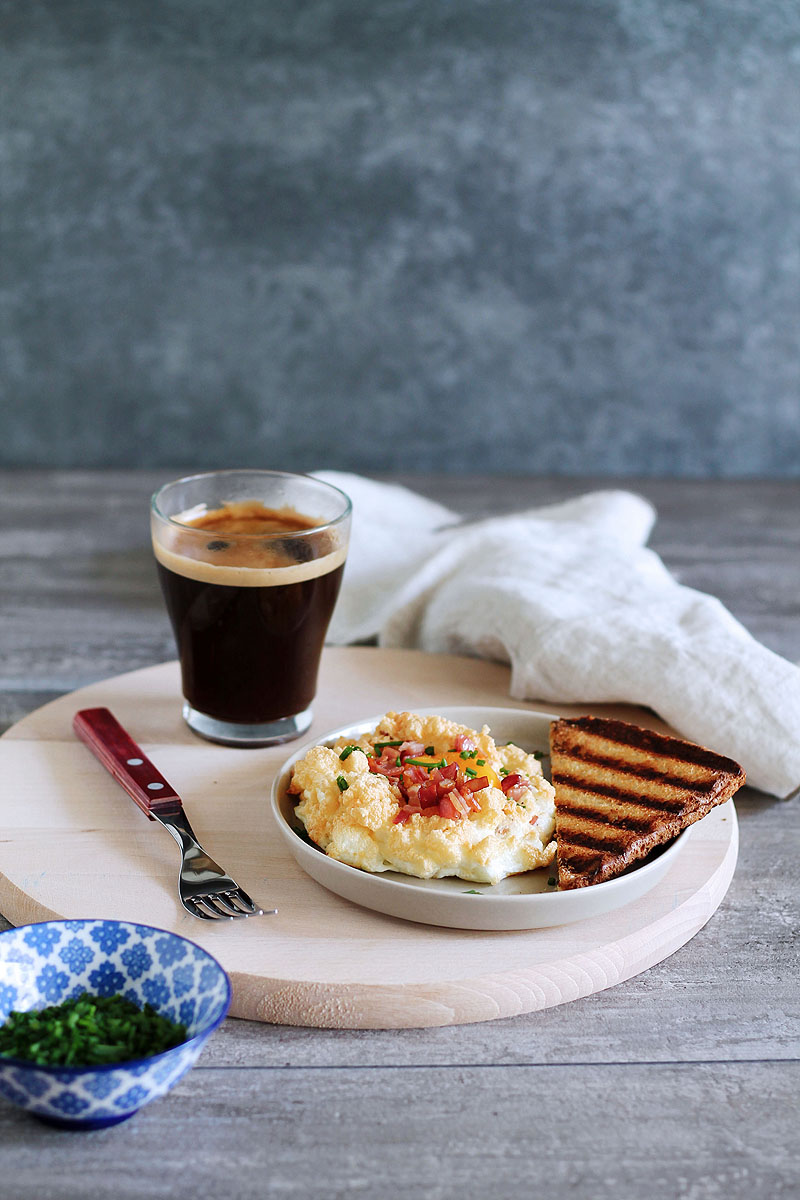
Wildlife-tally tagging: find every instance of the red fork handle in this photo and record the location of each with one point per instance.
(119, 754)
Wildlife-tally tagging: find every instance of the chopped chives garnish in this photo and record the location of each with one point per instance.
(538, 754)
(481, 762)
(342, 783)
(504, 771)
(468, 753)
(469, 771)
(348, 750)
(552, 881)
(398, 762)
(88, 1031)
(417, 762)
(380, 745)
(430, 750)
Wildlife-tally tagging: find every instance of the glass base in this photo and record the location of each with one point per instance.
(228, 733)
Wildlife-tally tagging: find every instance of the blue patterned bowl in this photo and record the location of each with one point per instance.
(44, 964)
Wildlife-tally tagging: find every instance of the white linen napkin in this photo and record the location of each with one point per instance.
(571, 597)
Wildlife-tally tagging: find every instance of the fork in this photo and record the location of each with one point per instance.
(206, 891)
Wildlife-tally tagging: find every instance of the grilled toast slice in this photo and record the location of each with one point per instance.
(622, 790)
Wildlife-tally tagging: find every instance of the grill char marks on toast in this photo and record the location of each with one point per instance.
(622, 790)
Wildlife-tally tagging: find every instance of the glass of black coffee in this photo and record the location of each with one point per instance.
(250, 564)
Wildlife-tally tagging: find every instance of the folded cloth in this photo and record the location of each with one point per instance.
(571, 597)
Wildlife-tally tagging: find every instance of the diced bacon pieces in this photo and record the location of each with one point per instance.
(515, 786)
(476, 785)
(381, 768)
(428, 793)
(414, 776)
(444, 791)
(463, 741)
(410, 749)
(447, 808)
(386, 763)
(458, 802)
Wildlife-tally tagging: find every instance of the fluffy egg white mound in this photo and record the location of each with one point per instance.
(356, 825)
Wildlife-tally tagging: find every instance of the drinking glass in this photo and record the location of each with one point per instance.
(250, 564)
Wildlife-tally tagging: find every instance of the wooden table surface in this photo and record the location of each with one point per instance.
(683, 1081)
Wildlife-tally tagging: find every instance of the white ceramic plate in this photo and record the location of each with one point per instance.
(524, 901)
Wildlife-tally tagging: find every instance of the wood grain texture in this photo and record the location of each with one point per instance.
(75, 847)
(614, 1132)
(688, 1072)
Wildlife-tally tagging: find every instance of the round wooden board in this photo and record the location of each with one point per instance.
(74, 845)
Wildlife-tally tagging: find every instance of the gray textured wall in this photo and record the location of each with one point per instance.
(496, 235)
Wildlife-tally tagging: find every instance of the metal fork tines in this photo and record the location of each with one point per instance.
(206, 891)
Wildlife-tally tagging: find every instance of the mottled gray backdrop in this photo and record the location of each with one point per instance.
(489, 235)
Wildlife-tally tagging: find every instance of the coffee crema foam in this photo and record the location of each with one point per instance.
(246, 561)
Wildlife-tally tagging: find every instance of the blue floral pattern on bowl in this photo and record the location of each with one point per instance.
(46, 963)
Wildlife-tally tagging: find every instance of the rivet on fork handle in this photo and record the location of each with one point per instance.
(126, 761)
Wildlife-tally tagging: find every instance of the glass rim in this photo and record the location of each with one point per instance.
(294, 533)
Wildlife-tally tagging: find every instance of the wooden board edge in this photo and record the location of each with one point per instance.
(486, 998)
(21, 909)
